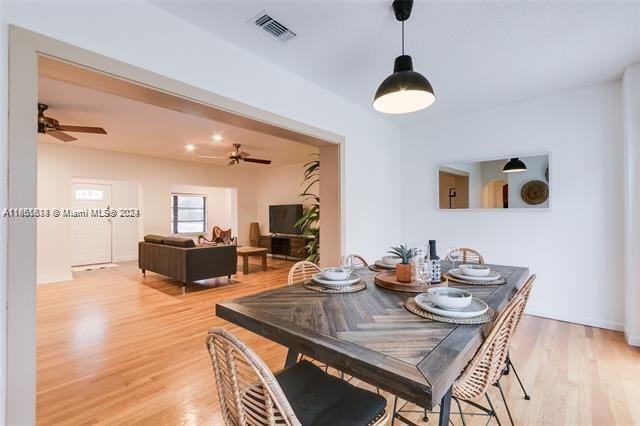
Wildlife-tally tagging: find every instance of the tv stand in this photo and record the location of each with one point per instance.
(287, 246)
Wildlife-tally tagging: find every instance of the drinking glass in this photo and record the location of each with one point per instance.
(348, 264)
(421, 252)
(423, 274)
(454, 255)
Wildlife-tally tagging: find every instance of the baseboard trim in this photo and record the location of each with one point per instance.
(592, 322)
(631, 340)
(55, 278)
(125, 258)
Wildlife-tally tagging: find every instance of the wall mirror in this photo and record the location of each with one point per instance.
(505, 183)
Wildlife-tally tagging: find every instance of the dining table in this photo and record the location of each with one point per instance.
(371, 336)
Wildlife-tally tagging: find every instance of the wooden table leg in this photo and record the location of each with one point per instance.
(292, 358)
(264, 262)
(245, 264)
(445, 409)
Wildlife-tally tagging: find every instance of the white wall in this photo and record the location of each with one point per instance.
(279, 185)
(576, 247)
(158, 178)
(631, 102)
(4, 133)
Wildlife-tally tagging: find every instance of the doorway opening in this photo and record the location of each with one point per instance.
(32, 56)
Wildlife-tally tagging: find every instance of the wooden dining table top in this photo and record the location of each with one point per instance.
(370, 335)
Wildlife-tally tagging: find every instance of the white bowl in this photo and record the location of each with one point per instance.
(335, 274)
(475, 270)
(450, 298)
(391, 260)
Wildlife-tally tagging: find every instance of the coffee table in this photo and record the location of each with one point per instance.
(246, 252)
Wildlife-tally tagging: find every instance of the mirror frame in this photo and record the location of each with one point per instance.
(436, 201)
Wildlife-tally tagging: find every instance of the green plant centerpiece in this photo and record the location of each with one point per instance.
(403, 269)
(308, 223)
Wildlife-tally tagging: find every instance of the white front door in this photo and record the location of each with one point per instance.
(91, 236)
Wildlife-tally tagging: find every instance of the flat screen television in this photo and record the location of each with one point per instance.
(282, 219)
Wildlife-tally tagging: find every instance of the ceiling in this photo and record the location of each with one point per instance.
(140, 128)
(476, 54)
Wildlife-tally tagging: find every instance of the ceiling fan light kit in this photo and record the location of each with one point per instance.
(405, 90)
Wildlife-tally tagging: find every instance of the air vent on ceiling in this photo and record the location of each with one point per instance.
(265, 23)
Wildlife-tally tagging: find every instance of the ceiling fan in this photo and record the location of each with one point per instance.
(236, 156)
(51, 126)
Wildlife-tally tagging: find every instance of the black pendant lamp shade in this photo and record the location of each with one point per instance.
(405, 90)
(514, 165)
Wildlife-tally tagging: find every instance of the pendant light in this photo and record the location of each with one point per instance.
(405, 90)
(515, 165)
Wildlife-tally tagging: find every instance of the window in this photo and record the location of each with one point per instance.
(89, 194)
(188, 213)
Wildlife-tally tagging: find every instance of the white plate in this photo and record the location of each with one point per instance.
(381, 264)
(319, 279)
(475, 308)
(493, 275)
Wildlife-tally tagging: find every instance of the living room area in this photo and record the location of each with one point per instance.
(159, 208)
(168, 178)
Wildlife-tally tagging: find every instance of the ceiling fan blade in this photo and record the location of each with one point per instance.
(213, 157)
(62, 136)
(243, 154)
(83, 129)
(257, 160)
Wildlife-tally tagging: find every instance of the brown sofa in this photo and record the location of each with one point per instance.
(180, 259)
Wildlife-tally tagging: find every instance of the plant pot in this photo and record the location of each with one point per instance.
(403, 272)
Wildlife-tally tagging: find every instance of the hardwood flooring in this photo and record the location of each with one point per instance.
(118, 348)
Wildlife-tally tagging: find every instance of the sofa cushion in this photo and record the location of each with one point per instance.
(154, 239)
(178, 242)
(318, 398)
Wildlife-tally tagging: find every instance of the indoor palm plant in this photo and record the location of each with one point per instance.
(403, 269)
(309, 222)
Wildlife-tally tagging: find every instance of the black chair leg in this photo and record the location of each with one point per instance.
(493, 409)
(504, 399)
(395, 406)
(513, 367)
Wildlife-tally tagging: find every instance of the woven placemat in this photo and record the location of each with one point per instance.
(351, 288)
(376, 268)
(499, 281)
(411, 306)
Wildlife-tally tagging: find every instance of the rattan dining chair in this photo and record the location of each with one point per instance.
(486, 366)
(250, 394)
(488, 363)
(302, 272)
(359, 261)
(469, 255)
(525, 292)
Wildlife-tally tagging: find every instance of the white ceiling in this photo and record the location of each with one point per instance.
(140, 128)
(477, 54)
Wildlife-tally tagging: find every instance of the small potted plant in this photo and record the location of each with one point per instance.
(403, 269)
(201, 239)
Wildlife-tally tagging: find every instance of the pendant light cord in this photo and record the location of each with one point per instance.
(402, 37)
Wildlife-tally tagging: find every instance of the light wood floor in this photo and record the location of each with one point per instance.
(117, 348)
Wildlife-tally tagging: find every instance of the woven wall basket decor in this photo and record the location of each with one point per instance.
(534, 192)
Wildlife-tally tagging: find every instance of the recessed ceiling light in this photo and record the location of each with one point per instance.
(190, 148)
(217, 137)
